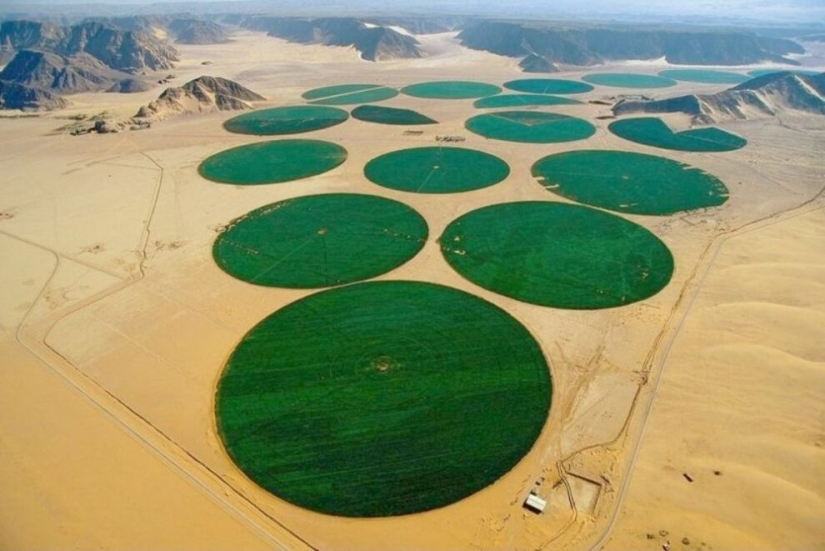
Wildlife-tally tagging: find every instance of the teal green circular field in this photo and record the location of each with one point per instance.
(521, 100)
(548, 86)
(653, 131)
(763, 72)
(272, 162)
(530, 127)
(456, 89)
(628, 80)
(629, 182)
(383, 398)
(558, 255)
(705, 76)
(390, 115)
(350, 94)
(286, 120)
(320, 241)
(436, 170)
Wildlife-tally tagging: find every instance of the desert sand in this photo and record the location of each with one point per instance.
(115, 324)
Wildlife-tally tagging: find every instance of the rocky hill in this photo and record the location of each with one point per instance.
(593, 45)
(195, 31)
(533, 63)
(761, 97)
(130, 51)
(19, 96)
(373, 42)
(182, 30)
(204, 94)
(57, 73)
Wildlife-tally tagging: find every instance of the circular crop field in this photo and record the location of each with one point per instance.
(559, 255)
(390, 115)
(286, 120)
(704, 76)
(272, 162)
(521, 100)
(548, 86)
(653, 131)
(320, 240)
(629, 182)
(530, 127)
(382, 398)
(349, 94)
(455, 89)
(628, 80)
(436, 170)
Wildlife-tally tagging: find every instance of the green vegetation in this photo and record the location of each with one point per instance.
(272, 162)
(365, 96)
(629, 182)
(530, 127)
(451, 90)
(382, 398)
(390, 115)
(286, 120)
(320, 240)
(763, 72)
(337, 90)
(653, 131)
(548, 86)
(560, 255)
(628, 80)
(704, 75)
(521, 100)
(436, 170)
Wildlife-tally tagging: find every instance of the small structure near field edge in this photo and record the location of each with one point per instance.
(535, 503)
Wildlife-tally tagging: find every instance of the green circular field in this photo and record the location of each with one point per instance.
(705, 76)
(456, 89)
(521, 100)
(628, 80)
(382, 398)
(390, 115)
(629, 182)
(436, 170)
(530, 127)
(548, 86)
(559, 255)
(320, 241)
(286, 120)
(349, 94)
(272, 162)
(653, 131)
(762, 72)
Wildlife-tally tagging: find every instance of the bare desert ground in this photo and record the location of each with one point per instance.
(115, 324)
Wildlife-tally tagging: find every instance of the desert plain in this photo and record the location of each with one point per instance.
(692, 419)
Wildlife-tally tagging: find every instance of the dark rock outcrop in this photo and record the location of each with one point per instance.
(592, 45)
(19, 96)
(764, 96)
(195, 31)
(533, 63)
(129, 85)
(66, 75)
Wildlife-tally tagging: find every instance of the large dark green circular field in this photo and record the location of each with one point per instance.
(548, 86)
(349, 94)
(436, 170)
(382, 398)
(286, 120)
(390, 115)
(633, 183)
(559, 255)
(451, 89)
(530, 127)
(320, 240)
(522, 100)
(653, 131)
(272, 162)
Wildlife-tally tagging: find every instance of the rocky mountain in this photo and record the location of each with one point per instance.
(19, 96)
(182, 30)
(761, 97)
(129, 85)
(592, 45)
(533, 63)
(373, 42)
(204, 94)
(57, 73)
(130, 51)
(195, 31)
